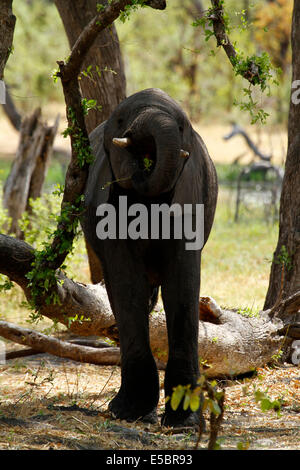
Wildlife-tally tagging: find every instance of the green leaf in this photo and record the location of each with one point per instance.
(266, 404)
(195, 402)
(177, 396)
(187, 399)
(214, 407)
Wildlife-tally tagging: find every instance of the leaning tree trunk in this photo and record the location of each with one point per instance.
(29, 168)
(285, 270)
(105, 82)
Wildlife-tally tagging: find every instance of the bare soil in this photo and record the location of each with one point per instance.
(50, 403)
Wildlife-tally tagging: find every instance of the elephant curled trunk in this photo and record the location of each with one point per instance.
(154, 140)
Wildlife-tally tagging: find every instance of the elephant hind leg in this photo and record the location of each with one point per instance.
(153, 299)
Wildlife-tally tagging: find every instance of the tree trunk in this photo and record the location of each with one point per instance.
(109, 89)
(108, 86)
(7, 27)
(28, 171)
(285, 270)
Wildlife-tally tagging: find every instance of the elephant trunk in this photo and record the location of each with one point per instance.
(156, 140)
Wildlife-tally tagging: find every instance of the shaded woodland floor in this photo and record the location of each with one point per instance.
(50, 403)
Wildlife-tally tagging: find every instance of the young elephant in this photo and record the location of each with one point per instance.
(148, 151)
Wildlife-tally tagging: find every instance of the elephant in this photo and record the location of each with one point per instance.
(150, 126)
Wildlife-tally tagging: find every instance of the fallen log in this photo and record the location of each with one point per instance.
(25, 352)
(56, 347)
(20, 353)
(230, 343)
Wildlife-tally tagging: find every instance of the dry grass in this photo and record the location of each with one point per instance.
(50, 403)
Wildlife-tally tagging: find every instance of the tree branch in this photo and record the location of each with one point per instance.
(102, 20)
(56, 347)
(11, 111)
(218, 22)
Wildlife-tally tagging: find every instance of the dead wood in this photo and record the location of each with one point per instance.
(48, 344)
(21, 353)
(29, 168)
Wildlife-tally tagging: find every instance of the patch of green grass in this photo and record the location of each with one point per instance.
(228, 173)
(55, 174)
(5, 165)
(236, 260)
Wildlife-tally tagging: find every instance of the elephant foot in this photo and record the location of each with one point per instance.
(121, 408)
(182, 419)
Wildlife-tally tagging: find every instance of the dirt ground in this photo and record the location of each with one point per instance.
(50, 403)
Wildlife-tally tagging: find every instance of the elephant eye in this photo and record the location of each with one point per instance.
(180, 129)
(120, 121)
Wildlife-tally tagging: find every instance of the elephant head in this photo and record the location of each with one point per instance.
(147, 139)
(148, 145)
(144, 145)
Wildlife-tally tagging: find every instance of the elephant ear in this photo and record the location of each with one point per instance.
(197, 183)
(100, 174)
(189, 186)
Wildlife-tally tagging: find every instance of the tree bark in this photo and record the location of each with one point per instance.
(29, 168)
(285, 277)
(229, 343)
(7, 27)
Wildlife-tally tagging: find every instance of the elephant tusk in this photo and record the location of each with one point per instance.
(122, 142)
(184, 153)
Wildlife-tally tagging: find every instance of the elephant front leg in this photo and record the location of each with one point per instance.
(139, 392)
(180, 293)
